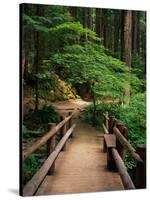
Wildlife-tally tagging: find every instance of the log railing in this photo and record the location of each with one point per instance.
(65, 129)
(115, 144)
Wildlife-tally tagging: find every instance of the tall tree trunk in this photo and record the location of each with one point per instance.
(105, 27)
(98, 24)
(85, 20)
(38, 56)
(142, 46)
(122, 34)
(27, 40)
(90, 18)
(117, 16)
(85, 17)
(127, 49)
(136, 32)
(127, 38)
(73, 12)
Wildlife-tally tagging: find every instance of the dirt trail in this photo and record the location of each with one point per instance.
(82, 166)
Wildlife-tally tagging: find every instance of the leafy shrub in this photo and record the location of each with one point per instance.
(100, 109)
(133, 116)
(70, 33)
(27, 133)
(29, 168)
(37, 120)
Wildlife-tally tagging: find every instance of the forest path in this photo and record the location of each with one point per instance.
(82, 166)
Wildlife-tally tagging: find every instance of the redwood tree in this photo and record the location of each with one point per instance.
(127, 48)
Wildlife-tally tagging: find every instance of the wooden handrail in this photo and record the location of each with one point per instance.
(32, 186)
(116, 154)
(127, 145)
(105, 129)
(106, 117)
(126, 180)
(41, 141)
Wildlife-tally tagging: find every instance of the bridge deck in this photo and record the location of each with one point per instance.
(82, 166)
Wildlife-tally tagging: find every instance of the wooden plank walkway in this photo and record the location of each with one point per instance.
(82, 166)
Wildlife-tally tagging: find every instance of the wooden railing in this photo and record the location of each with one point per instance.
(65, 129)
(115, 144)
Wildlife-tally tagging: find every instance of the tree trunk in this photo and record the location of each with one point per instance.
(73, 12)
(38, 56)
(105, 28)
(26, 41)
(36, 65)
(85, 17)
(127, 49)
(127, 38)
(117, 16)
(90, 18)
(97, 25)
(136, 32)
(122, 34)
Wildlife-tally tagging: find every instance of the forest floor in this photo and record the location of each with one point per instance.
(82, 166)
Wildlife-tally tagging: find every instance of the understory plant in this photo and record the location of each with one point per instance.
(133, 116)
(36, 121)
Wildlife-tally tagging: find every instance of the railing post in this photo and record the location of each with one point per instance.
(51, 143)
(104, 146)
(63, 130)
(141, 167)
(112, 122)
(110, 160)
(123, 130)
(70, 124)
(104, 119)
(107, 122)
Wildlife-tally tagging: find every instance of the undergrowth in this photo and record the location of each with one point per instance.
(133, 116)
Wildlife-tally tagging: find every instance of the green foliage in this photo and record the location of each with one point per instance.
(29, 133)
(29, 168)
(101, 108)
(89, 63)
(37, 120)
(33, 23)
(133, 116)
(69, 34)
(138, 66)
(53, 15)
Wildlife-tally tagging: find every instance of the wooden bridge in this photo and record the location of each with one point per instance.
(84, 159)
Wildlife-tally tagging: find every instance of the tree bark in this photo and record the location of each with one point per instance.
(26, 41)
(122, 34)
(90, 18)
(127, 49)
(136, 32)
(97, 24)
(127, 38)
(85, 17)
(38, 56)
(105, 27)
(117, 16)
(73, 12)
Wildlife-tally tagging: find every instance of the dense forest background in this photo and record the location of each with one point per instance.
(95, 54)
